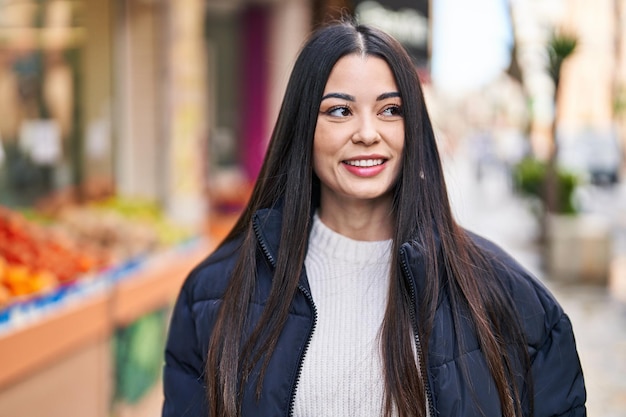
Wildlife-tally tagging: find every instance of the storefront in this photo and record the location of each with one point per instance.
(124, 126)
(55, 82)
(102, 198)
(251, 47)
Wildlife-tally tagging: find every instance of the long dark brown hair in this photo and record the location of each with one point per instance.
(422, 215)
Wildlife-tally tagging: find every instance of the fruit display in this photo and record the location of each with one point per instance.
(147, 213)
(21, 280)
(34, 258)
(110, 232)
(124, 228)
(40, 251)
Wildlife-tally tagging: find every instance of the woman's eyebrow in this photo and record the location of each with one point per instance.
(348, 97)
(385, 96)
(342, 96)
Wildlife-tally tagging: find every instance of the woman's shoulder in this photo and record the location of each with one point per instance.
(209, 278)
(537, 306)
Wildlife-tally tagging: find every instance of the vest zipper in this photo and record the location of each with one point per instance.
(309, 297)
(430, 408)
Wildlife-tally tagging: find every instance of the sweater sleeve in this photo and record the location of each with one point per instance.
(183, 373)
(558, 379)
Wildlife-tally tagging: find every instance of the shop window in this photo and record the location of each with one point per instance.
(40, 58)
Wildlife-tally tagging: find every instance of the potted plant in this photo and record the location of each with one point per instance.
(576, 246)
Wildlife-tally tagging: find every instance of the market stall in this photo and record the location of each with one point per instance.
(102, 200)
(78, 336)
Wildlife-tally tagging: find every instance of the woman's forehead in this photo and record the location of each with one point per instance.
(361, 73)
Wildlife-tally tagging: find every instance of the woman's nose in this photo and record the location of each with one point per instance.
(366, 132)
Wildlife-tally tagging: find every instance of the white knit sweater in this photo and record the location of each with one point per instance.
(342, 371)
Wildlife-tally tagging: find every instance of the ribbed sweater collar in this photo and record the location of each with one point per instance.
(337, 246)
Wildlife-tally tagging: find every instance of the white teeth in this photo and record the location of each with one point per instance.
(365, 162)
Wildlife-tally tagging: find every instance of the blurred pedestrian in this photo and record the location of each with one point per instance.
(347, 288)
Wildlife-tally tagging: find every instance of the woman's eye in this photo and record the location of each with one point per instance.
(392, 111)
(339, 111)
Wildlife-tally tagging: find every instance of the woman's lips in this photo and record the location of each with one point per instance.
(365, 167)
(365, 162)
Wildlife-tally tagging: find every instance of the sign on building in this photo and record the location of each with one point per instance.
(406, 20)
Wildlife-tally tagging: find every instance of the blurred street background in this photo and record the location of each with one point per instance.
(131, 132)
(598, 313)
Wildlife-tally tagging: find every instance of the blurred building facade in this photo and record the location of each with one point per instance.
(146, 97)
(590, 104)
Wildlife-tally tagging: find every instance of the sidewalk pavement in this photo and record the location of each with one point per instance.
(490, 209)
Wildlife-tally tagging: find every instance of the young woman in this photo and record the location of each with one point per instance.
(346, 288)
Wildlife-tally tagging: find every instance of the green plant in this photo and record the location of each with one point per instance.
(529, 178)
(559, 48)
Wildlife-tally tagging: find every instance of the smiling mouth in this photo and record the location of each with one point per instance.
(365, 162)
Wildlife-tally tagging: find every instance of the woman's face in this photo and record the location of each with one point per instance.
(359, 136)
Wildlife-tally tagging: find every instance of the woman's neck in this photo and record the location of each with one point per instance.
(359, 221)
